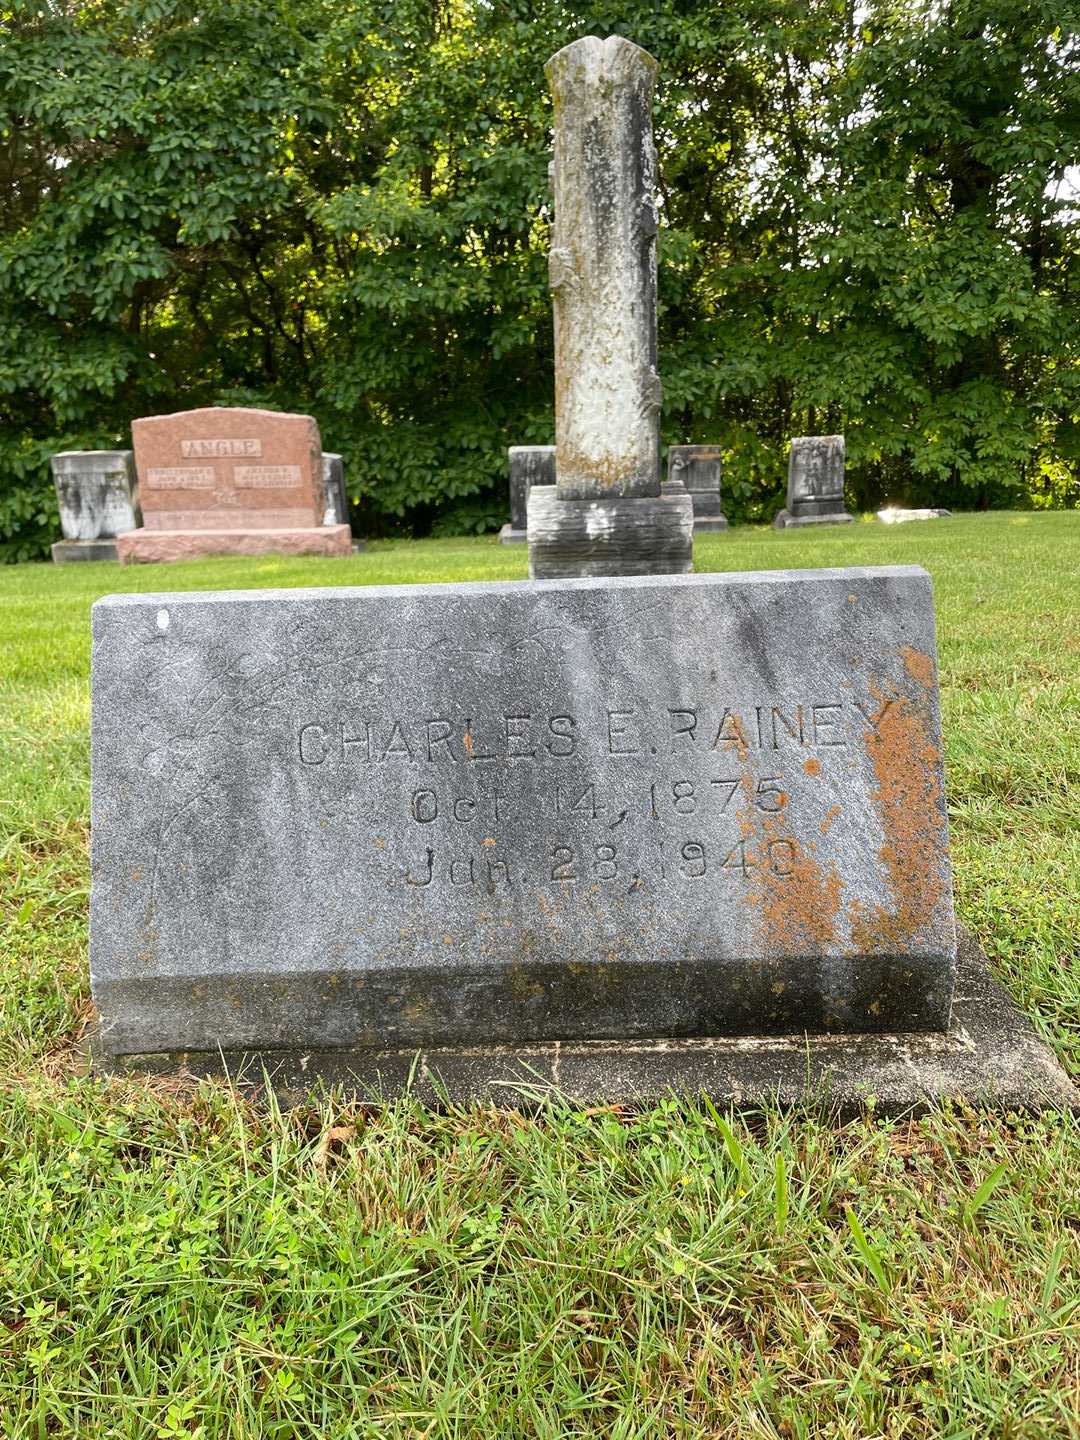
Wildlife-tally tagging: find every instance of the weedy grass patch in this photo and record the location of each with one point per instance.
(175, 1262)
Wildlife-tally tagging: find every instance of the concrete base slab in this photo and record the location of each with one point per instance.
(705, 523)
(509, 536)
(156, 545)
(786, 521)
(991, 1056)
(68, 552)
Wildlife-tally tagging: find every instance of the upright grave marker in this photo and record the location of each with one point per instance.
(230, 481)
(337, 499)
(98, 499)
(607, 513)
(529, 465)
(815, 494)
(698, 468)
(447, 814)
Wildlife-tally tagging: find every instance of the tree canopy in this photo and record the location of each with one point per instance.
(341, 207)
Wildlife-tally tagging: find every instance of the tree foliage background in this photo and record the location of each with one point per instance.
(341, 207)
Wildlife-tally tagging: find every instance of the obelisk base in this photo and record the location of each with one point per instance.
(648, 535)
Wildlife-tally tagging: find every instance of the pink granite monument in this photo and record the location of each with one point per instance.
(230, 482)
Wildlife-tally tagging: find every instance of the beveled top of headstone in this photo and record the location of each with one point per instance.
(91, 461)
(230, 468)
(697, 466)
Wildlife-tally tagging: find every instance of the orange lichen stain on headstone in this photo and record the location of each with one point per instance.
(830, 815)
(812, 766)
(906, 765)
(797, 898)
(918, 664)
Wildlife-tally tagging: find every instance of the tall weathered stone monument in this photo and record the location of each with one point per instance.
(698, 468)
(98, 499)
(815, 493)
(607, 513)
(529, 465)
(231, 481)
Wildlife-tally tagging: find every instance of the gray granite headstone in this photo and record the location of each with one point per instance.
(699, 805)
(337, 499)
(98, 499)
(698, 468)
(815, 493)
(529, 465)
(607, 513)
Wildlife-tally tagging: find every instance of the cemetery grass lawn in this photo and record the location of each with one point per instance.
(174, 1263)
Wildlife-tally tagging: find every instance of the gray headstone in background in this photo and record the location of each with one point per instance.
(815, 493)
(476, 813)
(699, 468)
(529, 465)
(603, 283)
(98, 500)
(337, 499)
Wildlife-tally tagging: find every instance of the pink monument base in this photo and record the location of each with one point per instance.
(151, 545)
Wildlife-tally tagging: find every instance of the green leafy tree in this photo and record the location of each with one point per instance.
(341, 207)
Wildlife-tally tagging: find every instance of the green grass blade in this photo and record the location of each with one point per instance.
(985, 1190)
(870, 1257)
(781, 1195)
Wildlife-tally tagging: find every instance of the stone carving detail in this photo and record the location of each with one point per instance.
(652, 395)
(561, 272)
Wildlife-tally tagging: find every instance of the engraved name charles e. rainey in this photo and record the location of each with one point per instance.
(625, 730)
